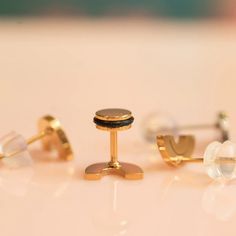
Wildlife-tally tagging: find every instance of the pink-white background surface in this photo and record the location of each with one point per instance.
(70, 69)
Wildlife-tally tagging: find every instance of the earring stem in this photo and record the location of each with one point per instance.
(180, 159)
(192, 159)
(29, 141)
(36, 137)
(113, 149)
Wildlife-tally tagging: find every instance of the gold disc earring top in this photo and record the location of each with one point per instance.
(113, 114)
(113, 119)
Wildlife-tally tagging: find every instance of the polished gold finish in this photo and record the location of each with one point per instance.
(52, 136)
(113, 114)
(113, 149)
(181, 159)
(126, 170)
(220, 160)
(173, 152)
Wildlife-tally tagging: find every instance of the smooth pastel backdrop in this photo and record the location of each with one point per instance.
(71, 68)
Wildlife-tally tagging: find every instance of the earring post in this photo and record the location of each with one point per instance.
(36, 137)
(219, 160)
(192, 159)
(29, 141)
(113, 149)
(179, 159)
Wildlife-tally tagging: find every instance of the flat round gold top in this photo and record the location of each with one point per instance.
(113, 114)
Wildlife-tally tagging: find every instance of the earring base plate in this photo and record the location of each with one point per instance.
(126, 170)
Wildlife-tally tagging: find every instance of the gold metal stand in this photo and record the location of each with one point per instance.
(113, 120)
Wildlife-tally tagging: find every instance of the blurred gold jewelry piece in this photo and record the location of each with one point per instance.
(219, 158)
(14, 147)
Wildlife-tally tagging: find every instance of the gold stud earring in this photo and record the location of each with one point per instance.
(163, 124)
(14, 147)
(113, 120)
(219, 158)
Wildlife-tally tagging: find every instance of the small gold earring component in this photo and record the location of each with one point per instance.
(113, 120)
(219, 158)
(14, 147)
(164, 124)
